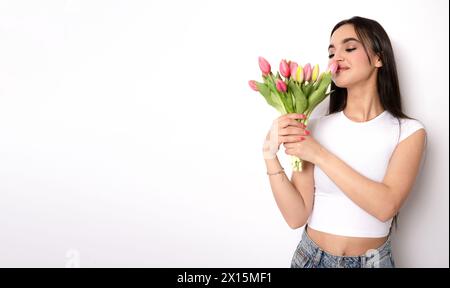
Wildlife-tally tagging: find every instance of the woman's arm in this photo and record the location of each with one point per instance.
(382, 200)
(294, 199)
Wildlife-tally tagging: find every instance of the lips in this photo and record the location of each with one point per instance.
(342, 68)
(340, 71)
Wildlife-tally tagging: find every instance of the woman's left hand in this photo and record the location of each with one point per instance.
(305, 148)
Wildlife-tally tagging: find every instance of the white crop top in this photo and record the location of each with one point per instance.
(367, 148)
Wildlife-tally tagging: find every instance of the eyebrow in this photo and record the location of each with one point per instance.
(345, 41)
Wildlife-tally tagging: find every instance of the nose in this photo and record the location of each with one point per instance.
(336, 59)
(338, 56)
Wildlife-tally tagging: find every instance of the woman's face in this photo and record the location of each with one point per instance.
(347, 51)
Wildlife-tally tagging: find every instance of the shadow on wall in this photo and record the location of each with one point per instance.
(418, 240)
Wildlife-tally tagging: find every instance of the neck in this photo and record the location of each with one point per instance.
(363, 102)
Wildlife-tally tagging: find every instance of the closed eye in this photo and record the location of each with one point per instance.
(348, 50)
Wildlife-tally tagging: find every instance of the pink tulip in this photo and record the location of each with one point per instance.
(281, 86)
(307, 72)
(252, 84)
(264, 66)
(293, 66)
(333, 67)
(284, 69)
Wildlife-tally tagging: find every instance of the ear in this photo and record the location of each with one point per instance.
(378, 62)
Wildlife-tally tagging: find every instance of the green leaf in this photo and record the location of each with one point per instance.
(320, 93)
(301, 102)
(279, 104)
(289, 103)
(317, 83)
(264, 90)
(308, 89)
(271, 98)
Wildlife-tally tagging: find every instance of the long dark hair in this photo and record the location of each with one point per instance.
(375, 39)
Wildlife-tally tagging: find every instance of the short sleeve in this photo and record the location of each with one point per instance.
(408, 127)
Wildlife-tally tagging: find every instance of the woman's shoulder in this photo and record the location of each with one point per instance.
(411, 122)
(407, 126)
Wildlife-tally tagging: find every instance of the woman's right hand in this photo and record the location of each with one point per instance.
(284, 129)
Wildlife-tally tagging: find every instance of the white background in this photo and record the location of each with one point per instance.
(129, 135)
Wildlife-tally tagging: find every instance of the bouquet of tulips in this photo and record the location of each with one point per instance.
(297, 90)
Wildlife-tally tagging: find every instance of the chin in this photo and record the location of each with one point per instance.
(341, 83)
(346, 81)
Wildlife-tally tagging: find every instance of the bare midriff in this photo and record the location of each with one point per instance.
(342, 245)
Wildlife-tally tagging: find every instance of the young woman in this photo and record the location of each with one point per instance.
(360, 160)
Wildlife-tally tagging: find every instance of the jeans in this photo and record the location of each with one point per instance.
(309, 255)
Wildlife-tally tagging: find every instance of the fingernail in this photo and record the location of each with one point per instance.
(307, 132)
(301, 138)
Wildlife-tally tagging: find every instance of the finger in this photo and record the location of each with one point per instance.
(292, 116)
(290, 122)
(289, 152)
(290, 139)
(290, 130)
(288, 145)
(296, 116)
(295, 143)
(294, 131)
